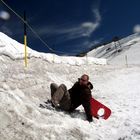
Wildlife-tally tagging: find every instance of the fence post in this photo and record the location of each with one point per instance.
(53, 58)
(87, 59)
(25, 41)
(126, 61)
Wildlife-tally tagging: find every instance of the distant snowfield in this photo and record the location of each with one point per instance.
(23, 89)
(124, 52)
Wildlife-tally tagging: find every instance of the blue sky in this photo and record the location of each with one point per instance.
(71, 26)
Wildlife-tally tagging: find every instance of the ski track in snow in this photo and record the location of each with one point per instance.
(22, 90)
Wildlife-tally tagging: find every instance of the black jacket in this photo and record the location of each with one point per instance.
(81, 95)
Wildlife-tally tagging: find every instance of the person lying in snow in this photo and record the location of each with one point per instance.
(69, 100)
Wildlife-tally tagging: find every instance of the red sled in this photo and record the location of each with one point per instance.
(96, 106)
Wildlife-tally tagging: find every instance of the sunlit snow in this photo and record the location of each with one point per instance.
(22, 90)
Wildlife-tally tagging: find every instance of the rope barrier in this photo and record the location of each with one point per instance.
(29, 26)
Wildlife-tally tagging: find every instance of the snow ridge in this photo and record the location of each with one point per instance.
(15, 50)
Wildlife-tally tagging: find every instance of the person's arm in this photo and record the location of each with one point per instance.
(86, 104)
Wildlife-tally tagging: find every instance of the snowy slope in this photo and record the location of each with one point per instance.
(23, 89)
(15, 50)
(126, 51)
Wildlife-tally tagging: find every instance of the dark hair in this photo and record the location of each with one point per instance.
(86, 76)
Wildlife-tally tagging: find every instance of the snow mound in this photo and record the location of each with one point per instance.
(15, 50)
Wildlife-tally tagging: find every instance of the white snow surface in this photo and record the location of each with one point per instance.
(15, 50)
(23, 89)
(122, 52)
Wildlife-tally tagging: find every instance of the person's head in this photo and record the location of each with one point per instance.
(84, 79)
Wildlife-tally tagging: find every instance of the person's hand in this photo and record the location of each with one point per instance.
(90, 120)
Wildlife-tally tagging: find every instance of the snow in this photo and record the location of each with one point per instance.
(15, 50)
(126, 54)
(22, 90)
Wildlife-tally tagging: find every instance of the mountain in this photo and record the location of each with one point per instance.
(124, 51)
(23, 89)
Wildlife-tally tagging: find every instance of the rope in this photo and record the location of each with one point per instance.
(29, 26)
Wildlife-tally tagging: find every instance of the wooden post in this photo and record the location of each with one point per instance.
(86, 59)
(126, 61)
(25, 41)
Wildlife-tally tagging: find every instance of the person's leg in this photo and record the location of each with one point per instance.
(53, 88)
(58, 95)
(65, 102)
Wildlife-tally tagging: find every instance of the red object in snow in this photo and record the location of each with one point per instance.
(96, 106)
